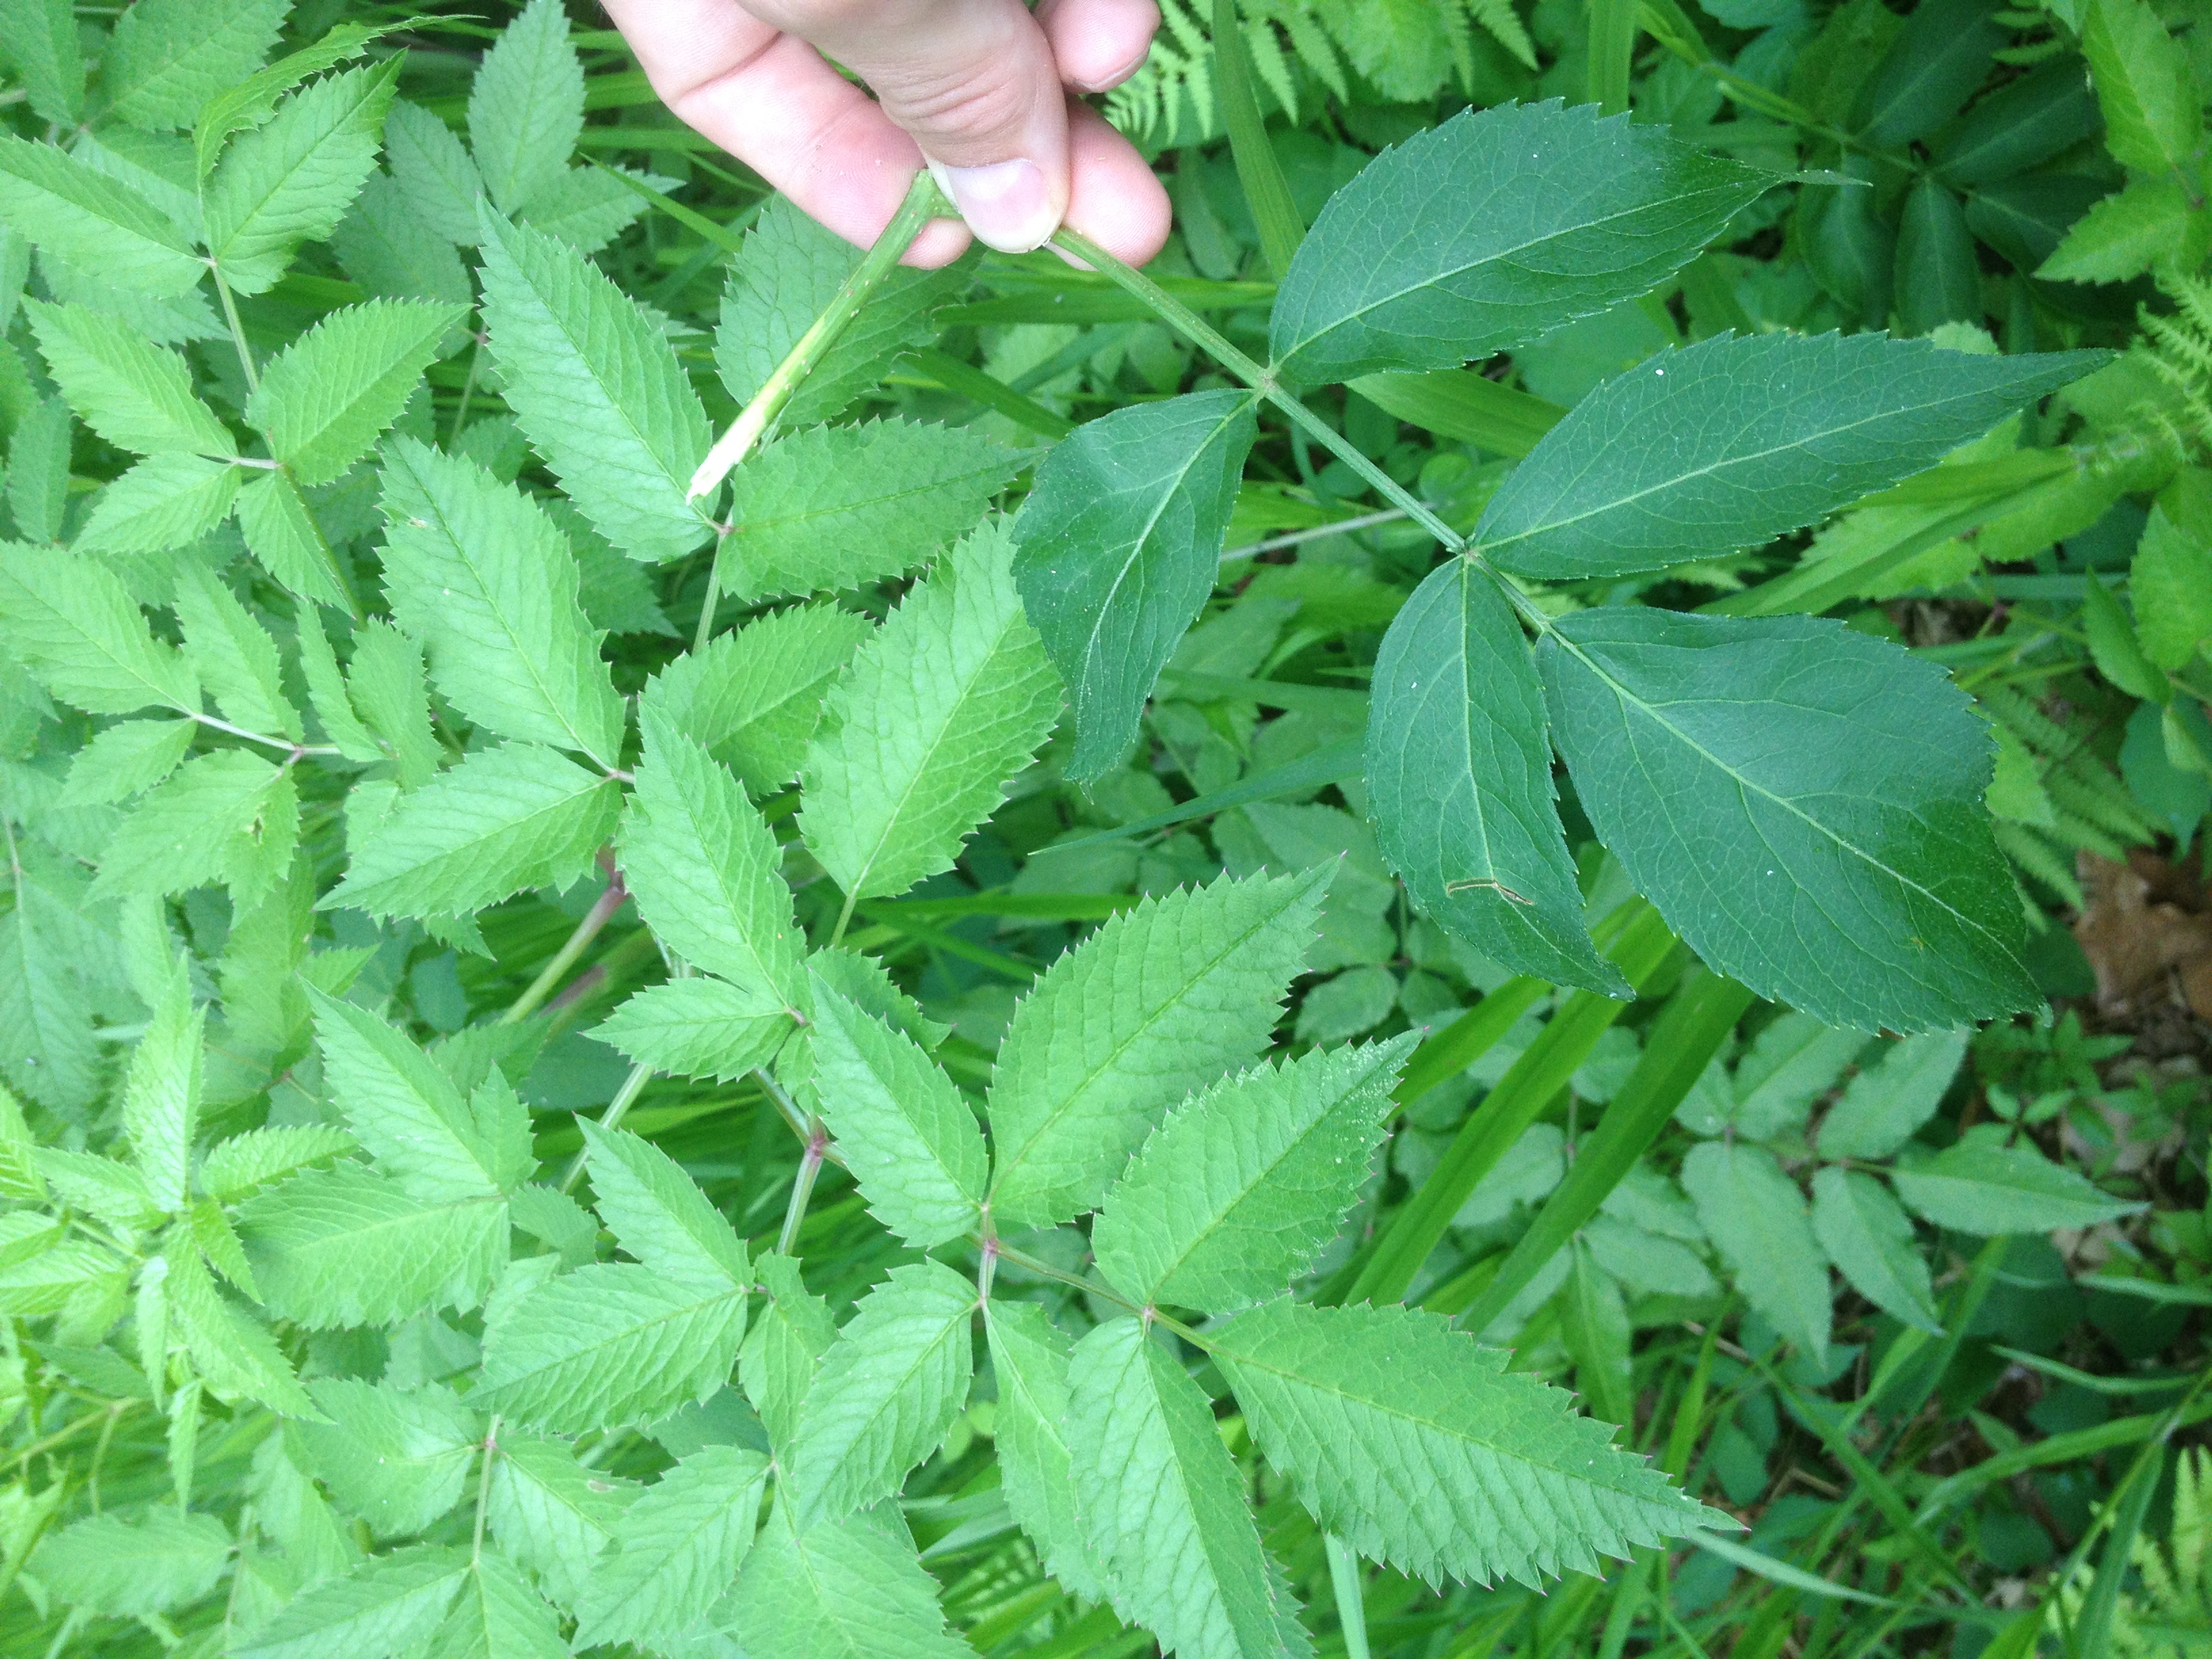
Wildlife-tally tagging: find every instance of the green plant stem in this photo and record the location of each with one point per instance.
(1351, 1600)
(490, 1451)
(237, 328)
(802, 1187)
(844, 921)
(617, 1110)
(923, 203)
(787, 1108)
(468, 392)
(705, 631)
(68, 1433)
(602, 912)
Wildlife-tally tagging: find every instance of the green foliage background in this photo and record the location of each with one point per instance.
(321, 1011)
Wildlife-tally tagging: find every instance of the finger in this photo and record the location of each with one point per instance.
(1098, 43)
(771, 101)
(975, 83)
(1116, 200)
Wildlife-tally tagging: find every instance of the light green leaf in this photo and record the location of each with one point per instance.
(1165, 1505)
(40, 39)
(699, 1027)
(474, 569)
(235, 1356)
(612, 1343)
(1980, 1185)
(550, 1513)
(291, 180)
(658, 1214)
(597, 386)
(1459, 776)
(234, 1168)
(1482, 233)
(1792, 1063)
(386, 1605)
(777, 1364)
(903, 1130)
(1756, 1216)
(1802, 802)
(322, 401)
(333, 1249)
(2154, 108)
(938, 710)
(72, 622)
(504, 819)
(753, 696)
(707, 873)
(405, 1111)
(387, 247)
(789, 272)
(397, 1460)
(167, 58)
(2171, 582)
(162, 502)
(1162, 1000)
(282, 534)
(1696, 453)
(228, 817)
(526, 106)
(1118, 547)
(251, 101)
(385, 681)
(162, 1096)
(2150, 224)
(1029, 1358)
(1245, 1183)
(840, 1590)
(65, 207)
(498, 1616)
(588, 207)
(1888, 1101)
(138, 397)
(433, 170)
(46, 1045)
(126, 760)
(133, 1566)
(1869, 1239)
(675, 1550)
(889, 1388)
(838, 506)
(237, 660)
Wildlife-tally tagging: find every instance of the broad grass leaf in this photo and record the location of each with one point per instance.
(1803, 802)
(1118, 546)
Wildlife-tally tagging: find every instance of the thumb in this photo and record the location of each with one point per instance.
(976, 84)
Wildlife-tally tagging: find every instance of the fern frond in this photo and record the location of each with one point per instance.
(2035, 855)
(2088, 791)
(2029, 723)
(1503, 26)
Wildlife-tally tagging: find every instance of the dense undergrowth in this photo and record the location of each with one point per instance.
(385, 876)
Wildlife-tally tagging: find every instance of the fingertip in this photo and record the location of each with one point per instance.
(1113, 198)
(1098, 43)
(941, 242)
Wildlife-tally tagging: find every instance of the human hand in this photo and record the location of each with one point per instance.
(980, 88)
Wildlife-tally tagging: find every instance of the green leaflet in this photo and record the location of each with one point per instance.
(387, 247)
(1482, 233)
(552, 1514)
(340, 1247)
(888, 1388)
(386, 1604)
(2171, 582)
(699, 1028)
(2154, 110)
(40, 39)
(1118, 546)
(777, 1362)
(1887, 1102)
(1980, 1185)
(1244, 1184)
(46, 1044)
(397, 1460)
(506, 819)
(498, 1615)
(408, 1116)
(291, 180)
(839, 1589)
(658, 1214)
(73, 623)
(1459, 776)
(167, 58)
(282, 534)
(435, 173)
(675, 1550)
(938, 711)
(229, 817)
(611, 1343)
(1868, 1238)
(325, 399)
(1838, 782)
(235, 1356)
(38, 470)
(476, 571)
(836, 506)
(164, 501)
(1028, 1358)
(127, 759)
(52, 199)
(1756, 1217)
(526, 106)
(598, 388)
(1162, 999)
(238, 662)
(161, 1096)
(789, 272)
(587, 208)
(708, 874)
(908, 1138)
(753, 696)
(127, 1568)
(234, 1168)
(1727, 444)
(1420, 1448)
(1164, 1507)
(136, 395)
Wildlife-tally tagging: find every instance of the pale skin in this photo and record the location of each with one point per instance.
(985, 90)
